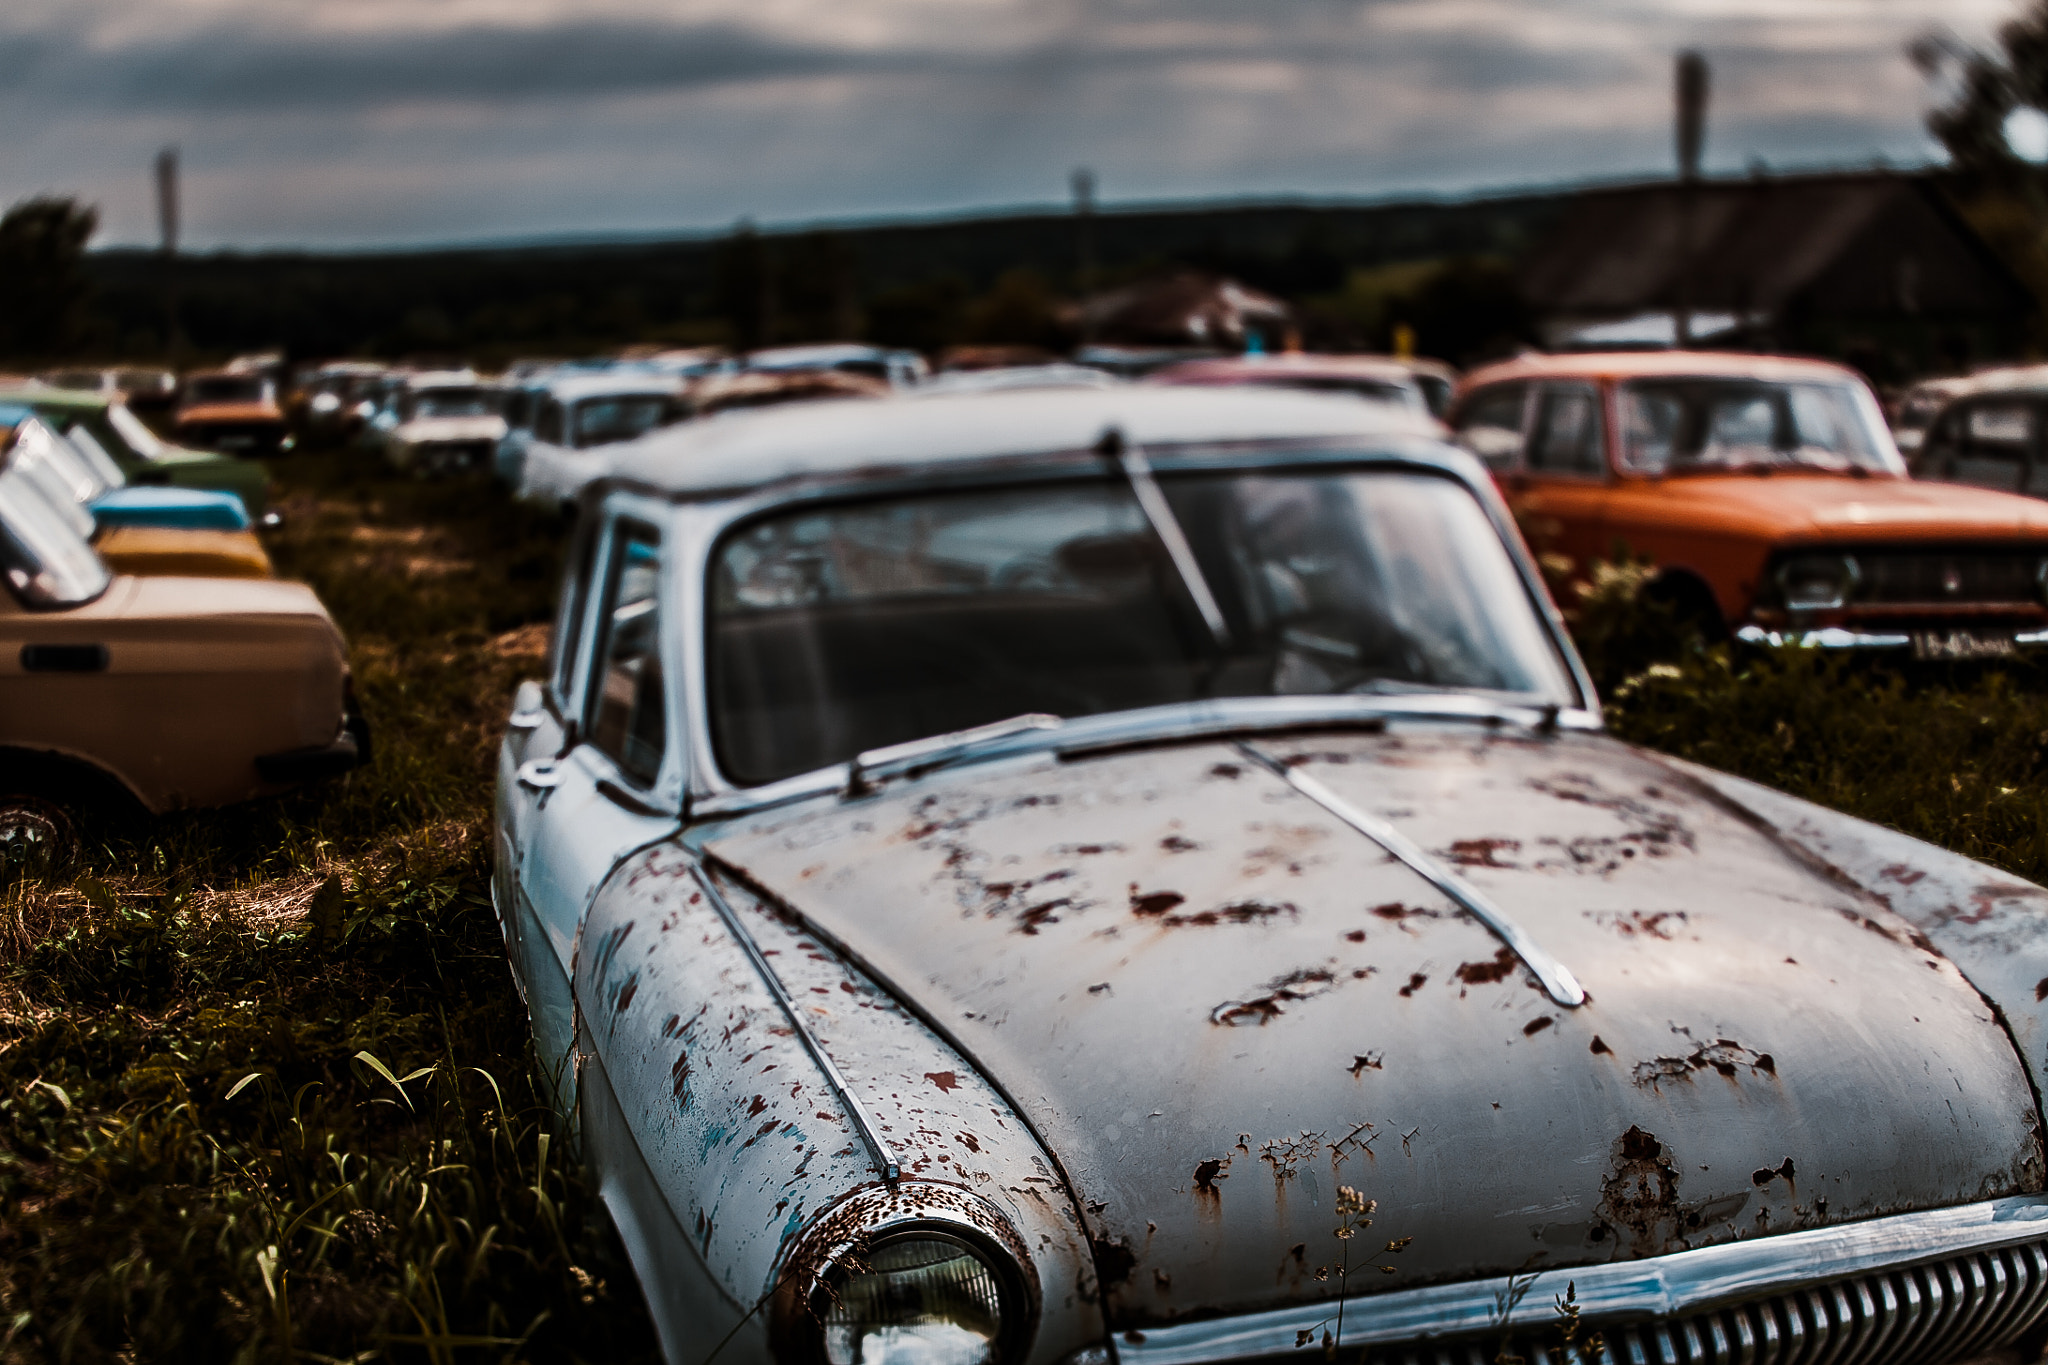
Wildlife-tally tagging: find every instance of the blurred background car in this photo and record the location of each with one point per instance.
(894, 367)
(325, 404)
(191, 532)
(153, 391)
(228, 411)
(126, 694)
(1380, 379)
(442, 422)
(143, 457)
(1985, 431)
(575, 419)
(1767, 495)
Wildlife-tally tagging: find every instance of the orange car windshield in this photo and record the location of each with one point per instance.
(1674, 426)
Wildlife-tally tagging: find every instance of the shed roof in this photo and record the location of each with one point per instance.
(1760, 245)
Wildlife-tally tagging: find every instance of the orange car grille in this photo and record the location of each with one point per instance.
(1977, 576)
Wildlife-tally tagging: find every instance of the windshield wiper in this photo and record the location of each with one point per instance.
(933, 750)
(1137, 471)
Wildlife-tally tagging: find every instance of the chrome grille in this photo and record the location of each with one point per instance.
(1971, 576)
(1947, 1311)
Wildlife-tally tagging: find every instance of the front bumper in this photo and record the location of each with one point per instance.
(1951, 645)
(1941, 1285)
(349, 751)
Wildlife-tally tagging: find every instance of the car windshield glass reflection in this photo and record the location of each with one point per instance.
(1676, 425)
(227, 389)
(601, 421)
(46, 561)
(139, 439)
(840, 629)
(453, 403)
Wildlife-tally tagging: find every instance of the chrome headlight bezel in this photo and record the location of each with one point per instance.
(1846, 576)
(817, 1263)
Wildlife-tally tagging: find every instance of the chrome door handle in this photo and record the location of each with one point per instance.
(540, 774)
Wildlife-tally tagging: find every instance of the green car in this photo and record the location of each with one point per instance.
(143, 456)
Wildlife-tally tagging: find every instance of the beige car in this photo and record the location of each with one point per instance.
(123, 694)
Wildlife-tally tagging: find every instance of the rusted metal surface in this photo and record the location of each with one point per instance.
(1217, 1002)
(723, 1146)
(1992, 926)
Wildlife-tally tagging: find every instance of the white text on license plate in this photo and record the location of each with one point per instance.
(1960, 644)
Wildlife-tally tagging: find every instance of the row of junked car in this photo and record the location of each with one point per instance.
(149, 658)
(1024, 874)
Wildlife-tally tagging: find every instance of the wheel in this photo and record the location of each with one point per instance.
(39, 837)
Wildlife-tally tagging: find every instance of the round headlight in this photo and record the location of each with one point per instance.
(916, 1298)
(1818, 582)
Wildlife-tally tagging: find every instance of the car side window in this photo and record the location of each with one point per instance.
(625, 710)
(547, 423)
(1565, 437)
(1490, 425)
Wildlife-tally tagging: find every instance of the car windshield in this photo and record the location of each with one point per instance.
(57, 466)
(227, 388)
(139, 439)
(834, 630)
(453, 403)
(601, 421)
(46, 561)
(1680, 425)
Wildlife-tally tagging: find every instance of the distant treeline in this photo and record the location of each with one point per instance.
(1353, 270)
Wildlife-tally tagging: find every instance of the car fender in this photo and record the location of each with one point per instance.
(722, 1146)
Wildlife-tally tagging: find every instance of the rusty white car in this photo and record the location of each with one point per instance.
(1019, 877)
(440, 423)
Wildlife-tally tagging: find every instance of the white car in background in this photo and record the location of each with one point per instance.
(897, 368)
(577, 423)
(442, 422)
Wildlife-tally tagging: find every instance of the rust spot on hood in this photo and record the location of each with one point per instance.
(1114, 1261)
(1301, 985)
(1370, 1061)
(1415, 983)
(1211, 1171)
(1723, 1055)
(1153, 902)
(1639, 1197)
(1537, 1025)
(1600, 1048)
(1482, 852)
(944, 1080)
(1239, 912)
(1498, 968)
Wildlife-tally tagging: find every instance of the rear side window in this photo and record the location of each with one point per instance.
(1490, 424)
(625, 712)
(569, 622)
(547, 424)
(1565, 438)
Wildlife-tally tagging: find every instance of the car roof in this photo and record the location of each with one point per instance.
(1302, 363)
(54, 398)
(442, 379)
(829, 353)
(2007, 379)
(1652, 364)
(570, 388)
(926, 432)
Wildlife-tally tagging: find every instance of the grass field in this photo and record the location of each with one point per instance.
(264, 1092)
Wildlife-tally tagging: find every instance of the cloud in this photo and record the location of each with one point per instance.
(341, 121)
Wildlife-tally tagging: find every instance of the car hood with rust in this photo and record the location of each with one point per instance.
(1831, 508)
(1217, 1003)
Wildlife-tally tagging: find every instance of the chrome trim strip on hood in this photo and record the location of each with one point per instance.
(870, 1135)
(1660, 1287)
(1558, 982)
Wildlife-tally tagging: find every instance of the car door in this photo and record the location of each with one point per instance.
(614, 784)
(1560, 493)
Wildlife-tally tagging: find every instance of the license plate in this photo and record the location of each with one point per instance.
(1961, 644)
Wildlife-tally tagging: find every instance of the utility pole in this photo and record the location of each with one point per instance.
(1692, 120)
(1084, 224)
(167, 227)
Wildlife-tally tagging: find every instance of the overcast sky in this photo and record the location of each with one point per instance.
(352, 122)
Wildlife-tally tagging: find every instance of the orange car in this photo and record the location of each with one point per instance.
(1767, 492)
(233, 412)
